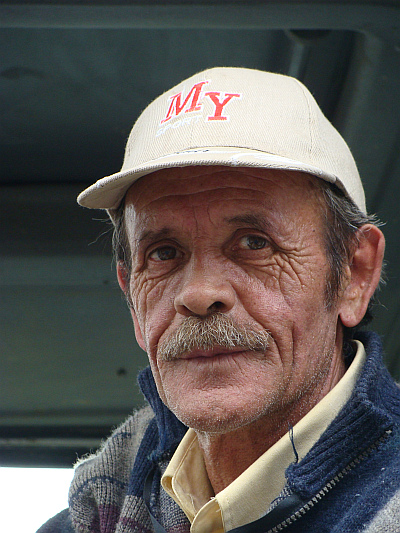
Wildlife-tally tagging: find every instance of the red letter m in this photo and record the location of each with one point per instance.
(176, 108)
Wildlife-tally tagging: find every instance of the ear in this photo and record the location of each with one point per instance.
(122, 276)
(123, 281)
(363, 275)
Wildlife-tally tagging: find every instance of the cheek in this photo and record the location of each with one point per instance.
(289, 302)
(275, 293)
(153, 302)
(302, 282)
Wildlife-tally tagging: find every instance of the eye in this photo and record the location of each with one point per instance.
(164, 253)
(253, 242)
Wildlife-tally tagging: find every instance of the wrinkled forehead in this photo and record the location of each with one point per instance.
(203, 181)
(171, 197)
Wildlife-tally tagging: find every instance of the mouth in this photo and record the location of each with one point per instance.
(217, 351)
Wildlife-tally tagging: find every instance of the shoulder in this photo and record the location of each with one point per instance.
(126, 438)
(61, 523)
(387, 519)
(117, 454)
(108, 468)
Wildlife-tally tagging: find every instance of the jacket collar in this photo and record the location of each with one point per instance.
(364, 420)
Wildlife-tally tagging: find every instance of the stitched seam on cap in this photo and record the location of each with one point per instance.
(305, 95)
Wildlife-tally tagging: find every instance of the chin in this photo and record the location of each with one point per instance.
(217, 419)
(218, 407)
(212, 424)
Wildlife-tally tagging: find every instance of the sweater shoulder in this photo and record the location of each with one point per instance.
(95, 470)
(124, 443)
(60, 523)
(387, 519)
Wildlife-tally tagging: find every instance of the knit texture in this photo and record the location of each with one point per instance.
(351, 476)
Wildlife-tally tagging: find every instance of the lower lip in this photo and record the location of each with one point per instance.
(210, 357)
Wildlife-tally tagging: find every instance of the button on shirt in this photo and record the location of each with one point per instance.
(249, 496)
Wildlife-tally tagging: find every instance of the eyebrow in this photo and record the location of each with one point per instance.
(256, 221)
(152, 236)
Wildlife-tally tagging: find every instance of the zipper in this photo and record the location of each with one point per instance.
(330, 485)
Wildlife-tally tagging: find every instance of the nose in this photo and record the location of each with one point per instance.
(205, 290)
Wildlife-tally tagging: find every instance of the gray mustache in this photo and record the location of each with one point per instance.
(196, 333)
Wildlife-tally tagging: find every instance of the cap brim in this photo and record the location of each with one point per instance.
(108, 192)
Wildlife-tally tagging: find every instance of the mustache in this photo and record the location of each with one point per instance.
(196, 333)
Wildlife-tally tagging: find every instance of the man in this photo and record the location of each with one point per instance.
(248, 262)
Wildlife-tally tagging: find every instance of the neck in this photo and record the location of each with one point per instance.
(228, 455)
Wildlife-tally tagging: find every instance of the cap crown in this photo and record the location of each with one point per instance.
(234, 116)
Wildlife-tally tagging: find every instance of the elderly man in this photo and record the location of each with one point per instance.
(248, 262)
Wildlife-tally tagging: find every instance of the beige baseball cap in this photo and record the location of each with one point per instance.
(235, 117)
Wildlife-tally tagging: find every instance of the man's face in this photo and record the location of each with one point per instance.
(248, 243)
